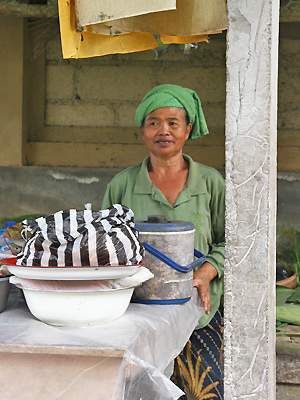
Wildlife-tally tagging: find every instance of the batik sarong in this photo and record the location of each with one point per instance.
(198, 368)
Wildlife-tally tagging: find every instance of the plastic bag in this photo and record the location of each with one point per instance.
(82, 238)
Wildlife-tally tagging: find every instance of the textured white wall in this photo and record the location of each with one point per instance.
(251, 110)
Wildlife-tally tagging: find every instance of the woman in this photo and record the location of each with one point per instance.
(169, 182)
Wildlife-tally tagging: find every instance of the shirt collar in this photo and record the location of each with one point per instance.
(143, 183)
(195, 182)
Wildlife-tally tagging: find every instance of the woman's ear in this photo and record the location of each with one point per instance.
(188, 130)
(142, 132)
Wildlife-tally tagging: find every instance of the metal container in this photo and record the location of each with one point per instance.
(169, 255)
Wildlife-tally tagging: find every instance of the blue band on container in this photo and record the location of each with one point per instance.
(180, 268)
(170, 226)
(173, 301)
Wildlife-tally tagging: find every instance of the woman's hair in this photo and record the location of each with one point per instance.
(186, 116)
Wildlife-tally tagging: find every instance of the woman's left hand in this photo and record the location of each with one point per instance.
(201, 279)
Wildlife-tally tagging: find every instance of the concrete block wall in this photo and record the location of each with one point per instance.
(85, 116)
(81, 112)
(103, 93)
(114, 85)
(120, 81)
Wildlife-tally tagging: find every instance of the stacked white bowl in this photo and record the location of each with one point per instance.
(72, 296)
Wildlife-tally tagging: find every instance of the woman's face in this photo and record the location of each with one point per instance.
(165, 131)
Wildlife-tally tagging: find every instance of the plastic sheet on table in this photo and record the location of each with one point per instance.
(139, 379)
(149, 337)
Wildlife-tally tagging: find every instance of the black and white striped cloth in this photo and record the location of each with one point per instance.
(82, 238)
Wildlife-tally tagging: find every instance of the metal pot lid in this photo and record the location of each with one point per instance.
(160, 223)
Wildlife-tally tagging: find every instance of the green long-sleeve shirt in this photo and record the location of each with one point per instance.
(202, 202)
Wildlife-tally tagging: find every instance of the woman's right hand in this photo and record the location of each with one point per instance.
(201, 280)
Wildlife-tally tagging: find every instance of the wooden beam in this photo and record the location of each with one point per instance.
(109, 154)
(114, 134)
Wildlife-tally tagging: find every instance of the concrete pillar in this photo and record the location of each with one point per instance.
(251, 109)
(12, 111)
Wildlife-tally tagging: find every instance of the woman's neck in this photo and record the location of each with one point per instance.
(169, 176)
(167, 166)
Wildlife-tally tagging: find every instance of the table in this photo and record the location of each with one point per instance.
(126, 359)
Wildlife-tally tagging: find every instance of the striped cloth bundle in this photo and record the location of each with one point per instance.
(82, 238)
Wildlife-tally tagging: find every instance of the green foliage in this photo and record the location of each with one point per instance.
(280, 325)
(296, 264)
(295, 296)
(289, 312)
(286, 295)
(283, 294)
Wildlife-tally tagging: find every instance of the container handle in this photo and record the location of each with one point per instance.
(180, 268)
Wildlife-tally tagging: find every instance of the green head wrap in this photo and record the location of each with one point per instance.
(174, 96)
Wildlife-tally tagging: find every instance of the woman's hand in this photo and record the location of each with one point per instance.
(201, 279)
